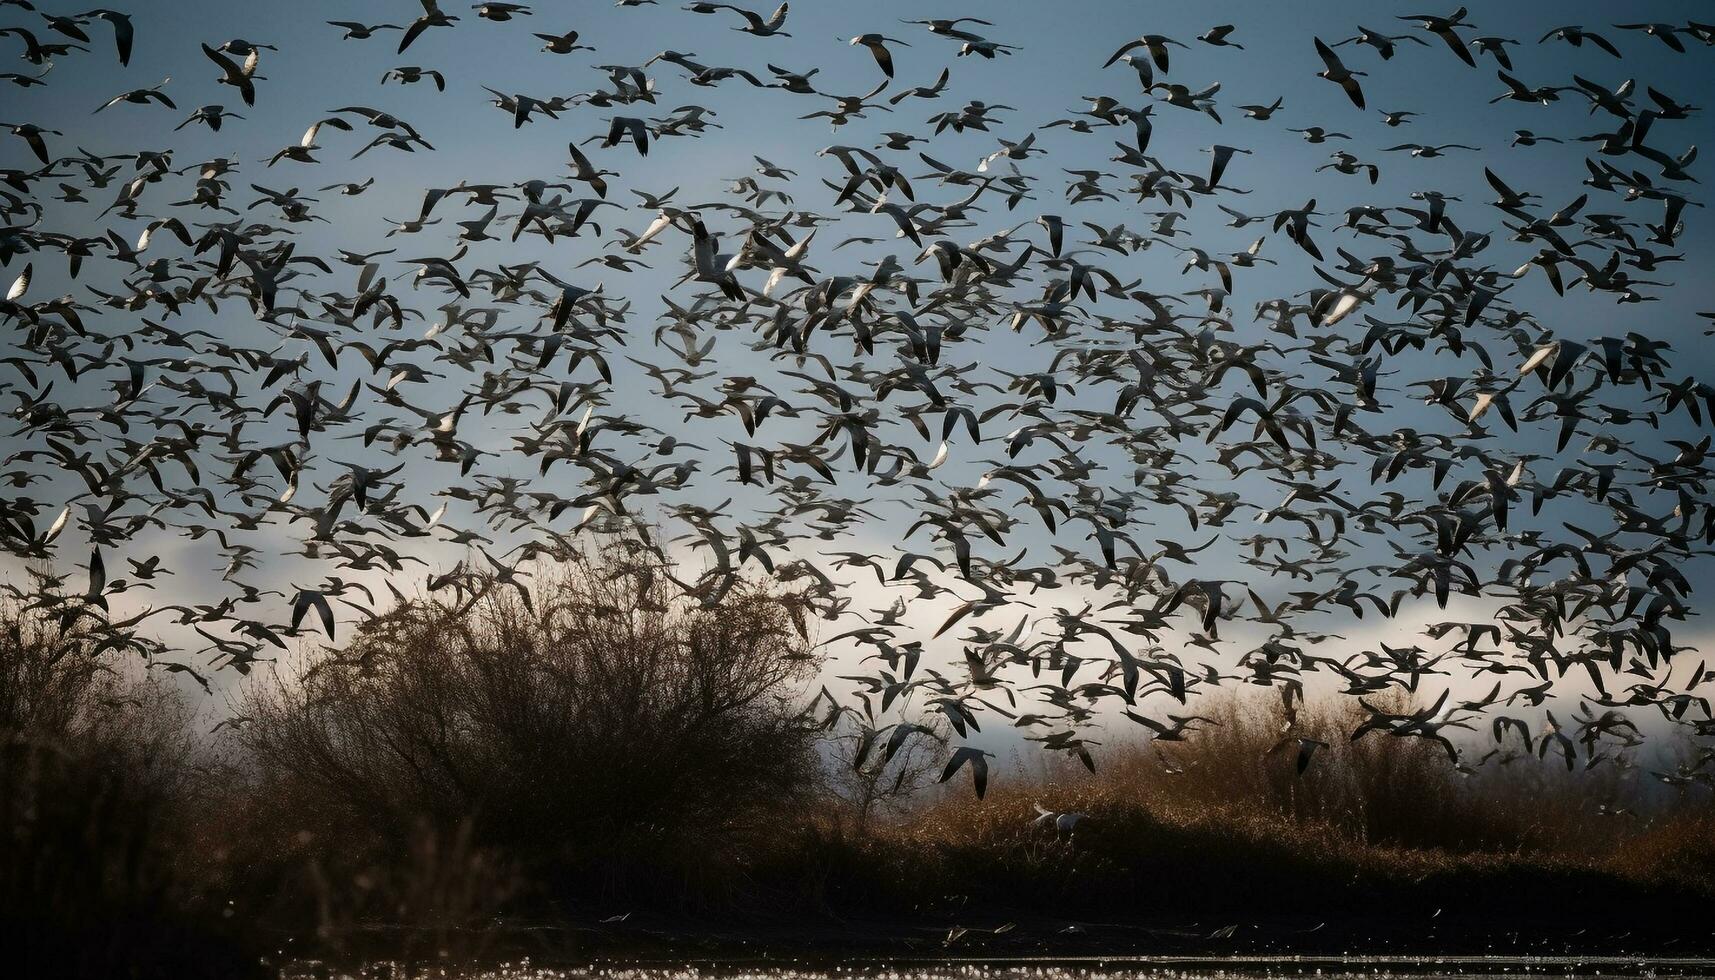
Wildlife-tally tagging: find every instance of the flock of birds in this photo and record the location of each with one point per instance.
(1087, 496)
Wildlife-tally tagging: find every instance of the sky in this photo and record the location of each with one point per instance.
(1056, 67)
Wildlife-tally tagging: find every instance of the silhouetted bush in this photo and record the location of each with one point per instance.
(608, 741)
(101, 784)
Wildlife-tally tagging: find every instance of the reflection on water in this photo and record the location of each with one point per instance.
(1103, 968)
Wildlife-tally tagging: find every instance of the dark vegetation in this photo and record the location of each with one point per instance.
(106, 802)
(467, 782)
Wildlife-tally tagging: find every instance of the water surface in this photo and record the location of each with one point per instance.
(1090, 968)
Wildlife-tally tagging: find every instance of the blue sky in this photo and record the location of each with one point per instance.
(1062, 47)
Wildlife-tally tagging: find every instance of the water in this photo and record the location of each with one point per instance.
(1091, 968)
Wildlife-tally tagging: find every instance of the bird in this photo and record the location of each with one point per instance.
(1446, 29)
(628, 128)
(1155, 45)
(1576, 36)
(1495, 47)
(1065, 824)
(1336, 72)
(1014, 469)
(240, 77)
(1667, 34)
(877, 46)
(356, 31)
(141, 96)
(502, 12)
(1303, 748)
(562, 43)
(1261, 113)
(124, 32)
(433, 16)
(1426, 151)
(977, 759)
(754, 23)
(209, 115)
(32, 135)
(1218, 36)
(1385, 44)
(411, 75)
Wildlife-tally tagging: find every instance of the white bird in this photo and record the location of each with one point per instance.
(1065, 824)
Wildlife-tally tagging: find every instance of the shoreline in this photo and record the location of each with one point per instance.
(989, 939)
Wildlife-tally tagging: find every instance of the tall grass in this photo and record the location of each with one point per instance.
(1218, 825)
(1380, 791)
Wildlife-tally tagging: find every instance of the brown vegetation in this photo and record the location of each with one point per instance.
(614, 742)
(1234, 827)
(614, 748)
(102, 790)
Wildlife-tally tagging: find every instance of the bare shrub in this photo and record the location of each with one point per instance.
(101, 781)
(610, 739)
